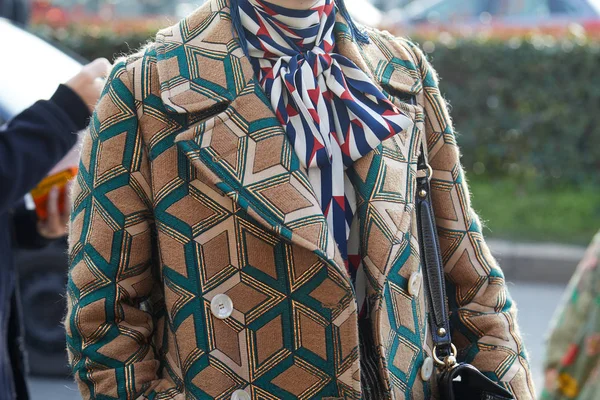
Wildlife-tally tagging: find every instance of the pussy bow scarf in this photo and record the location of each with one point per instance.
(331, 111)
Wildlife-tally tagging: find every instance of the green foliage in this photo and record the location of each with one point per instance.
(513, 212)
(91, 42)
(523, 110)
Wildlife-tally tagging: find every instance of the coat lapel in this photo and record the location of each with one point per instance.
(244, 153)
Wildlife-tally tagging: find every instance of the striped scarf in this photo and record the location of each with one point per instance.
(331, 111)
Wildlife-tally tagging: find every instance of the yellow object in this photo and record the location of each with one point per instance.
(568, 385)
(41, 192)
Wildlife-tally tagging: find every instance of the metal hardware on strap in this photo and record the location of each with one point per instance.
(449, 361)
(428, 171)
(433, 268)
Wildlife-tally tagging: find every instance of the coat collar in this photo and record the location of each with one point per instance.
(196, 55)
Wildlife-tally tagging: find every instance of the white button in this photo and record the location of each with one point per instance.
(427, 369)
(414, 283)
(240, 395)
(221, 306)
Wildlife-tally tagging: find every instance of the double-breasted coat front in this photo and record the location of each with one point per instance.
(201, 263)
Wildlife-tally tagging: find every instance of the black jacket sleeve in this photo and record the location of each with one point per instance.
(35, 140)
(21, 13)
(25, 232)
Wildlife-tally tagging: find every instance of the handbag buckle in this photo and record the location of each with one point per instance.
(449, 361)
(427, 171)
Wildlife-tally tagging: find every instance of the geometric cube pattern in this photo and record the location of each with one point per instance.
(188, 189)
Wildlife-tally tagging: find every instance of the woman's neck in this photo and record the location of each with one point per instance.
(294, 4)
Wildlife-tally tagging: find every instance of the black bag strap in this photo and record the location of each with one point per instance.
(473, 384)
(444, 352)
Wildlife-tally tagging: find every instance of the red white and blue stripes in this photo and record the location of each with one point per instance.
(331, 111)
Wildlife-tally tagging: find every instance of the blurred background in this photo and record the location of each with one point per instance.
(521, 77)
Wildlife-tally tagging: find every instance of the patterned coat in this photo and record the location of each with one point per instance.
(191, 204)
(573, 350)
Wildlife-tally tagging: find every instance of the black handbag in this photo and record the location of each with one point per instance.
(456, 380)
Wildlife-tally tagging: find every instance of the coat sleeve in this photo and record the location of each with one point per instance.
(483, 315)
(109, 325)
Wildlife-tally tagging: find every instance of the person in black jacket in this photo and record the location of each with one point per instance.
(30, 145)
(15, 10)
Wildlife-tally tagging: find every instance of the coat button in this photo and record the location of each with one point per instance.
(427, 369)
(221, 306)
(414, 283)
(240, 395)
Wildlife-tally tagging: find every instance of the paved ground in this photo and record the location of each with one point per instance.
(536, 303)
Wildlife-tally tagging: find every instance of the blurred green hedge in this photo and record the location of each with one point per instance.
(526, 109)
(90, 42)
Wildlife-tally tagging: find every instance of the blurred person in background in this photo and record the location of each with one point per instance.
(573, 350)
(30, 145)
(243, 223)
(15, 10)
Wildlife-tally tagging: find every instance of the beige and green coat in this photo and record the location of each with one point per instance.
(572, 363)
(191, 205)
